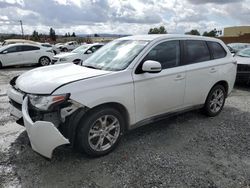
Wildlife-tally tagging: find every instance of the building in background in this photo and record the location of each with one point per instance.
(236, 31)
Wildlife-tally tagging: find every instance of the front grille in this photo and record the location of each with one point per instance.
(243, 68)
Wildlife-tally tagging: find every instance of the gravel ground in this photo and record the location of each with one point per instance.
(189, 150)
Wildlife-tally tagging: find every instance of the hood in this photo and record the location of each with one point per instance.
(45, 80)
(242, 60)
(66, 54)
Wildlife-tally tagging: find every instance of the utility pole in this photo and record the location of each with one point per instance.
(21, 24)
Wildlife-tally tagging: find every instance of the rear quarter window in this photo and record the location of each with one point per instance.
(216, 49)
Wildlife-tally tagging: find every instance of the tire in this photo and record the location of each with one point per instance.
(95, 136)
(1, 66)
(44, 61)
(215, 101)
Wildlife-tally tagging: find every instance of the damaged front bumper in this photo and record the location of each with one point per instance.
(44, 136)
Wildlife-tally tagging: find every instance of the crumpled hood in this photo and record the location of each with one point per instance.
(242, 60)
(45, 80)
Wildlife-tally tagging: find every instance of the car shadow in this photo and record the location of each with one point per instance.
(186, 135)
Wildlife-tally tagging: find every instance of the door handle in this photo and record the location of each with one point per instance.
(212, 70)
(179, 77)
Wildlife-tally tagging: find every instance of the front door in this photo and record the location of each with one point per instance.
(13, 56)
(159, 93)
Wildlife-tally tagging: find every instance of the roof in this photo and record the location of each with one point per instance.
(151, 37)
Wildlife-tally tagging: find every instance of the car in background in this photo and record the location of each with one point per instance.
(77, 55)
(48, 45)
(68, 46)
(14, 41)
(236, 47)
(243, 68)
(24, 53)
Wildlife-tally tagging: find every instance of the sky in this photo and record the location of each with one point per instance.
(121, 16)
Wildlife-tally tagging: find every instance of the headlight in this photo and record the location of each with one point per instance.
(45, 103)
(63, 59)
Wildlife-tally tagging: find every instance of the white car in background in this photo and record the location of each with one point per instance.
(48, 45)
(24, 53)
(68, 46)
(77, 55)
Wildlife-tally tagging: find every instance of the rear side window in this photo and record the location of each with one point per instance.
(29, 48)
(167, 53)
(196, 51)
(216, 49)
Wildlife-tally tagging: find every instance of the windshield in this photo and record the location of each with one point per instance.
(80, 49)
(116, 55)
(244, 53)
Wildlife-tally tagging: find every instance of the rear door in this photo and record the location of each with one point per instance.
(202, 70)
(30, 53)
(13, 56)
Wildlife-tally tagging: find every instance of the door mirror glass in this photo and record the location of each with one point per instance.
(151, 66)
(89, 52)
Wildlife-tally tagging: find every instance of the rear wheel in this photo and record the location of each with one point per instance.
(1, 65)
(100, 131)
(43, 61)
(215, 101)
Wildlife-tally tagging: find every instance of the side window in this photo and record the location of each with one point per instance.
(12, 49)
(167, 53)
(29, 48)
(94, 48)
(196, 51)
(217, 50)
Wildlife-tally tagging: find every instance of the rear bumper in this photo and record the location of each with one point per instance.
(44, 136)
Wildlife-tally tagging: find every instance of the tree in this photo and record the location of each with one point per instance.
(66, 35)
(193, 32)
(96, 35)
(73, 34)
(212, 33)
(35, 36)
(52, 34)
(160, 30)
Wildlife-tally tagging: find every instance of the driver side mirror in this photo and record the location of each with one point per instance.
(89, 52)
(151, 66)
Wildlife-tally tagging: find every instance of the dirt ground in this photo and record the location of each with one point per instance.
(189, 150)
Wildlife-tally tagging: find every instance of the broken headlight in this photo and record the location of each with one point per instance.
(47, 102)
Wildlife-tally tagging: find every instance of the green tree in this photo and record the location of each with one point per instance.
(52, 34)
(66, 35)
(212, 33)
(35, 36)
(193, 32)
(160, 30)
(73, 34)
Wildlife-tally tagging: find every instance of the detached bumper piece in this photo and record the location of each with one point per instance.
(44, 136)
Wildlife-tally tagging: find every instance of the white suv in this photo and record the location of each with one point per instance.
(125, 84)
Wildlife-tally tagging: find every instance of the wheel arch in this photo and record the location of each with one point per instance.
(118, 106)
(75, 119)
(224, 84)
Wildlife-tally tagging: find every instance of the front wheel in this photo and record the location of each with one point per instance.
(215, 101)
(100, 131)
(43, 61)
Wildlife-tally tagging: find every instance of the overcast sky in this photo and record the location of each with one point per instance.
(121, 16)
